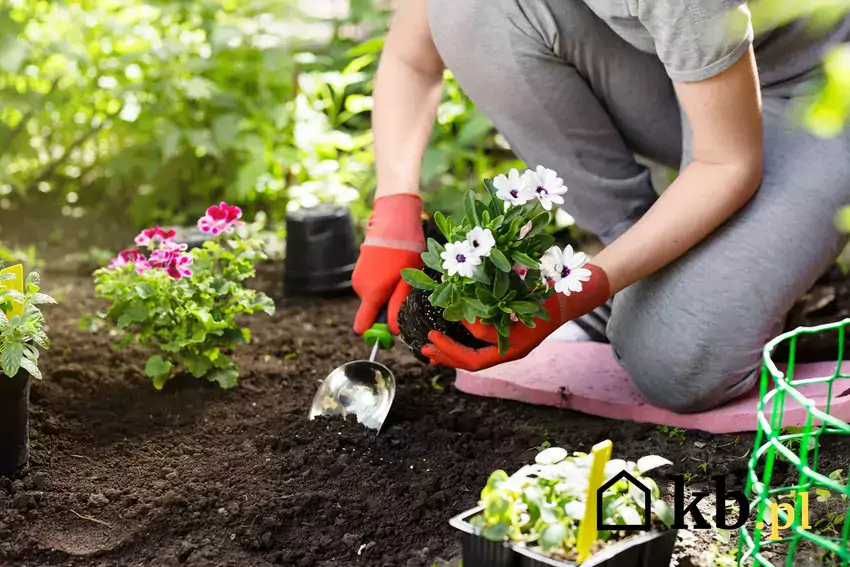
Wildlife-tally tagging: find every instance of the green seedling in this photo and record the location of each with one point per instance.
(542, 504)
(434, 383)
(673, 432)
(21, 322)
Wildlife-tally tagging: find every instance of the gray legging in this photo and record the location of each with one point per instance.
(570, 94)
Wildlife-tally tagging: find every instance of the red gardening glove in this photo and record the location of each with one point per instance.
(394, 241)
(443, 351)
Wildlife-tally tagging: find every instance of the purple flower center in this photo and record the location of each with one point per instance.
(514, 193)
(475, 243)
(542, 190)
(460, 258)
(565, 271)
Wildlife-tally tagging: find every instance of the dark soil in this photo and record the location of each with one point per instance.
(417, 317)
(124, 475)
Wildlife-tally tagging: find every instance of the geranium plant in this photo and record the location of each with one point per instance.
(22, 326)
(183, 303)
(542, 505)
(498, 264)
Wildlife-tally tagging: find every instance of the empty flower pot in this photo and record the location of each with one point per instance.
(14, 424)
(417, 317)
(321, 250)
(646, 549)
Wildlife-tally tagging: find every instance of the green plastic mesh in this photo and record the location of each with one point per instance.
(799, 446)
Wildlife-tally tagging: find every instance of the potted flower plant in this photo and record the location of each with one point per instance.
(21, 336)
(534, 517)
(497, 264)
(183, 303)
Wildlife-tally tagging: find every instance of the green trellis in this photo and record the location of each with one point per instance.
(801, 448)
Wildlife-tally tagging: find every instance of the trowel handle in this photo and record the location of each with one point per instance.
(380, 332)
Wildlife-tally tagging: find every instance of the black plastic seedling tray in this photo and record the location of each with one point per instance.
(651, 549)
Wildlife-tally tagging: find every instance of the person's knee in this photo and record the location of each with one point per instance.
(684, 372)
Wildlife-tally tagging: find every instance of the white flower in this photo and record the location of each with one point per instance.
(460, 258)
(481, 240)
(564, 269)
(546, 186)
(513, 188)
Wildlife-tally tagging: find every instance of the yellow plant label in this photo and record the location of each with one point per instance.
(15, 284)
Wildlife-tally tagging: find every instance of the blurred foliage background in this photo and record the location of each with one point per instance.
(121, 114)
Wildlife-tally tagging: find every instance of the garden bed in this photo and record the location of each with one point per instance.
(122, 474)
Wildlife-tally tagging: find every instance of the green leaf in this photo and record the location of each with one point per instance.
(136, 313)
(40, 299)
(454, 313)
(539, 224)
(504, 344)
(418, 279)
(31, 367)
(553, 536)
(11, 357)
(225, 377)
(442, 295)
(433, 261)
(32, 278)
(159, 370)
(499, 260)
(443, 224)
(145, 290)
(480, 275)
(470, 313)
(501, 284)
(485, 296)
(496, 532)
(524, 259)
(198, 366)
(524, 307)
(469, 208)
(435, 247)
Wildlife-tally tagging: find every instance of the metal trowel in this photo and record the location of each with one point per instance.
(363, 388)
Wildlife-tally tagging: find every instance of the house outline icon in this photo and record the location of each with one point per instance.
(647, 508)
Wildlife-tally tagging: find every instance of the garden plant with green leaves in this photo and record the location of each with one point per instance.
(22, 326)
(542, 505)
(184, 304)
(499, 264)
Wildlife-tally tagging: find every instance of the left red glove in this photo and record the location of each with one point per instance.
(444, 351)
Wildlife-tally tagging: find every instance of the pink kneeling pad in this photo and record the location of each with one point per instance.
(585, 377)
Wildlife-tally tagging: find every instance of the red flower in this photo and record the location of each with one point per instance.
(151, 235)
(220, 219)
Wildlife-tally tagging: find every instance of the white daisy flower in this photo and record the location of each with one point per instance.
(481, 240)
(564, 269)
(513, 188)
(460, 258)
(546, 186)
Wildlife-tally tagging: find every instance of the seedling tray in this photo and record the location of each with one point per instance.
(651, 549)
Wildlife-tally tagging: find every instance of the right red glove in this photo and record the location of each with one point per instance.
(394, 241)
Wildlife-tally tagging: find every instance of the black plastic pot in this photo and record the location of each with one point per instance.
(321, 250)
(650, 549)
(14, 424)
(417, 317)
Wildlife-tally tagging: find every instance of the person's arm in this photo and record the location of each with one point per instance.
(408, 88)
(725, 115)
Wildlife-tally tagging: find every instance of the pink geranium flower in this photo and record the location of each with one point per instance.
(132, 256)
(154, 236)
(179, 266)
(220, 219)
